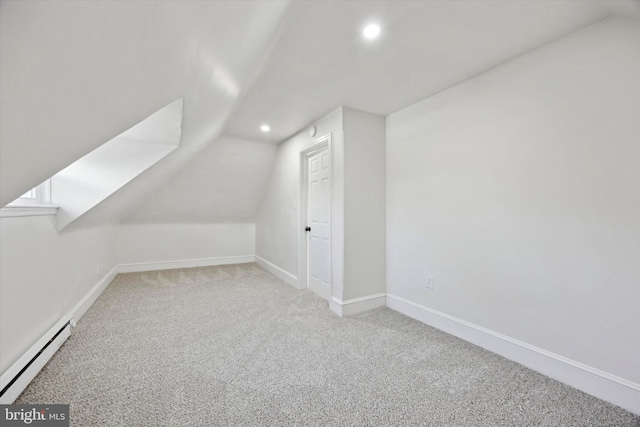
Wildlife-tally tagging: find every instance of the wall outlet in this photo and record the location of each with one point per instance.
(429, 283)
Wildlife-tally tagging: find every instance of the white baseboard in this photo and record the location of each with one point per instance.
(186, 263)
(357, 305)
(25, 369)
(33, 367)
(281, 274)
(85, 303)
(595, 382)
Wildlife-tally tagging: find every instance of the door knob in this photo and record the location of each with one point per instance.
(307, 229)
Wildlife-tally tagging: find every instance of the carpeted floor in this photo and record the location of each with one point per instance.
(235, 346)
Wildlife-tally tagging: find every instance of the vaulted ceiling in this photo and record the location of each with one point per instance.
(321, 60)
(74, 74)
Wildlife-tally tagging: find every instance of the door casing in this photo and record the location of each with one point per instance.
(320, 144)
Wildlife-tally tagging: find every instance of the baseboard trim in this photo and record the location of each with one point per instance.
(357, 305)
(186, 263)
(36, 365)
(595, 382)
(24, 370)
(87, 301)
(280, 273)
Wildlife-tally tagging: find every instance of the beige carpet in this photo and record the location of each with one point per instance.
(235, 346)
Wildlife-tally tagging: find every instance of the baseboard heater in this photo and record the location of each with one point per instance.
(19, 375)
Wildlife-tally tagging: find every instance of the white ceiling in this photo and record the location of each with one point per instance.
(74, 75)
(224, 183)
(321, 60)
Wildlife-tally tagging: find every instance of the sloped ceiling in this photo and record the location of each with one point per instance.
(224, 183)
(75, 74)
(322, 61)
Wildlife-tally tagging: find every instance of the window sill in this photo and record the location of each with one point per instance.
(27, 210)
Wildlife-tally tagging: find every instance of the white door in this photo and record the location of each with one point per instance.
(319, 224)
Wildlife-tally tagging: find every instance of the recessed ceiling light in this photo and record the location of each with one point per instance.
(265, 128)
(371, 31)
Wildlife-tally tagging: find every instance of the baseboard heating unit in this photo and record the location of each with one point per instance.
(20, 374)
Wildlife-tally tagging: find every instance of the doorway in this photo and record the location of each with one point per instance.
(316, 216)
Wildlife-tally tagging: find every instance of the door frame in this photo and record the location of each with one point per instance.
(319, 144)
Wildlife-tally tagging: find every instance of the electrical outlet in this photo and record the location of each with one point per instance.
(429, 284)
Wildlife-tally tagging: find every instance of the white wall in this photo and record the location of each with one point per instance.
(358, 206)
(277, 224)
(364, 207)
(75, 75)
(519, 191)
(205, 214)
(155, 244)
(43, 275)
(223, 184)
